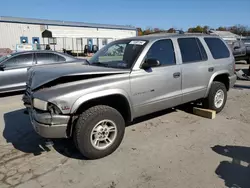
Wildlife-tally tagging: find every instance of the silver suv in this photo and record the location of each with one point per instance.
(126, 79)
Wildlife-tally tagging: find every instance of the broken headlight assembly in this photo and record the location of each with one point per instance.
(40, 104)
(46, 106)
(53, 109)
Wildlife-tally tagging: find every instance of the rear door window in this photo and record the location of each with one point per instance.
(191, 50)
(163, 51)
(217, 47)
(48, 58)
(61, 58)
(23, 60)
(202, 50)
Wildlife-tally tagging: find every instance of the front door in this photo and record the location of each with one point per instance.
(14, 75)
(157, 88)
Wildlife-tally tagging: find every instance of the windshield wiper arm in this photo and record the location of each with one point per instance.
(85, 61)
(99, 63)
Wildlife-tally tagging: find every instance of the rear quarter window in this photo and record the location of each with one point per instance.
(217, 48)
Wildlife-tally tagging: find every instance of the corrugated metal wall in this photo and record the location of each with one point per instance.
(70, 38)
(10, 34)
(80, 36)
(81, 32)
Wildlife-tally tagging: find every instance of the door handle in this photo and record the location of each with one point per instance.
(177, 75)
(210, 69)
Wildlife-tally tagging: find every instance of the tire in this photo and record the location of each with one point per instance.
(210, 103)
(85, 136)
(248, 60)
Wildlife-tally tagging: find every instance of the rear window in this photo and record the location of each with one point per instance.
(217, 47)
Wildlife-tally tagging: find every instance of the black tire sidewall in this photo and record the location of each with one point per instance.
(248, 60)
(85, 125)
(213, 90)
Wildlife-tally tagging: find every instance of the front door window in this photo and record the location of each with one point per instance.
(163, 51)
(24, 60)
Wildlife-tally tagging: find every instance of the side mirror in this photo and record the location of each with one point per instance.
(2, 67)
(150, 63)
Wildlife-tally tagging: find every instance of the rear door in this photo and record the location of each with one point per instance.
(48, 58)
(14, 75)
(196, 69)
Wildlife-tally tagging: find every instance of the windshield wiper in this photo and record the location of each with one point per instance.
(87, 61)
(99, 64)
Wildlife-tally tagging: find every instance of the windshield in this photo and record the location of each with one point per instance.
(119, 54)
(4, 57)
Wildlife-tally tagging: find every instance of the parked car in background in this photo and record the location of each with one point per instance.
(241, 50)
(124, 80)
(13, 67)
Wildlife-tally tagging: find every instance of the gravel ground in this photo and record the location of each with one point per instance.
(172, 148)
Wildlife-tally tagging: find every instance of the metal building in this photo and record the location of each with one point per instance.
(228, 36)
(15, 33)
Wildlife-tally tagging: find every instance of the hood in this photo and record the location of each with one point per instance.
(39, 76)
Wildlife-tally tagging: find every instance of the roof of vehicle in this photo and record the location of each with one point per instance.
(156, 36)
(40, 51)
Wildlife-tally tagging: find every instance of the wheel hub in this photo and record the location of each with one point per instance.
(219, 98)
(103, 134)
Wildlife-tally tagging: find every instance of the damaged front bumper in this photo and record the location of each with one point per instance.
(27, 99)
(45, 123)
(49, 125)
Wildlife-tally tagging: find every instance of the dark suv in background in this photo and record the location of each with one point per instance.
(13, 67)
(241, 50)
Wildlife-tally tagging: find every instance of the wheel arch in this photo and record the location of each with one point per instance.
(222, 76)
(104, 97)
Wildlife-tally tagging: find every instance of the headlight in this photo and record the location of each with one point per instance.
(53, 109)
(39, 104)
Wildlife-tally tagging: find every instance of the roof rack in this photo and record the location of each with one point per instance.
(196, 33)
(179, 32)
(166, 33)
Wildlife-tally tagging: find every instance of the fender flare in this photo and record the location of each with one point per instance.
(212, 78)
(98, 94)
